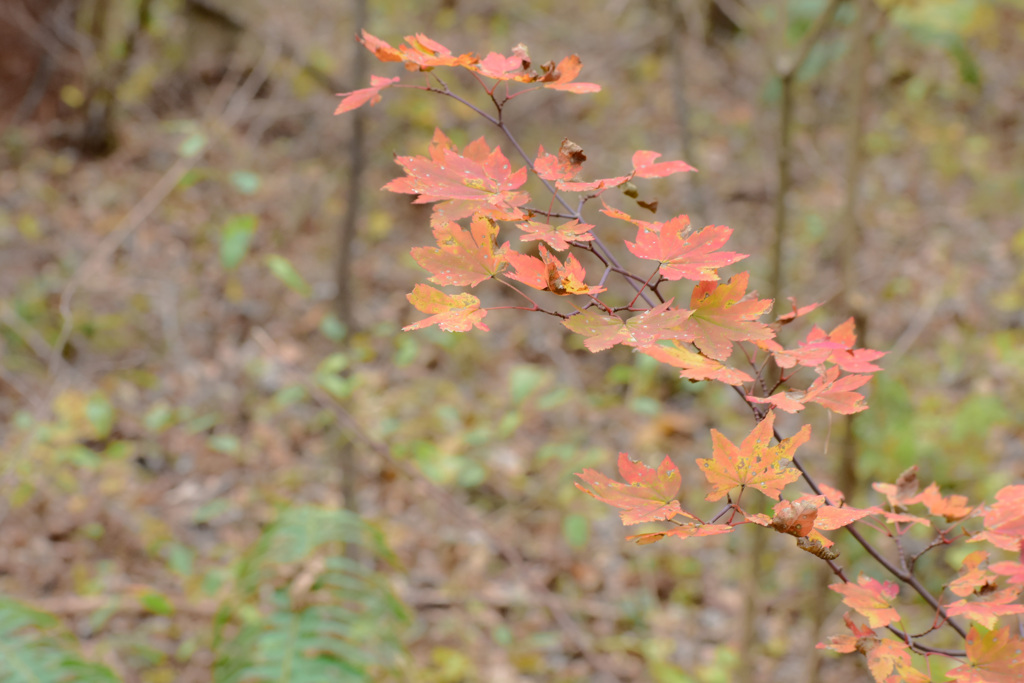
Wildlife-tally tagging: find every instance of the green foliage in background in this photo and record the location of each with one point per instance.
(35, 648)
(303, 610)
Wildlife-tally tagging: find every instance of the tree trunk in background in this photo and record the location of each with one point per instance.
(848, 246)
(683, 26)
(35, 60)
(344, 299)
(786, 72)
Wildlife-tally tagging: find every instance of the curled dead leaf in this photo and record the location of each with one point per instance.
(796, 519)
(816, 548)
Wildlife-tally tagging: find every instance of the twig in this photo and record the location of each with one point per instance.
(76, 605)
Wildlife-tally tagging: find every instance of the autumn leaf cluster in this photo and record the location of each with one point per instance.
(552, 260)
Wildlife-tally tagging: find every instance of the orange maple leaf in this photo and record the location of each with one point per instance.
(1004, 521)
(692, 365)
(682, 531)
(992, 657)
(723, 314)
(649, 494)
(871, 598)
(357, 98)
(452, 313)
(475, 180)
(548, 273)
(603, 330)
(987, 609)
(683, 254)
(557, 237)
(463, 258)
(754, 463)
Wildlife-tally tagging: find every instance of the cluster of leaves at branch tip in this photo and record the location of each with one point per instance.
(480, 185)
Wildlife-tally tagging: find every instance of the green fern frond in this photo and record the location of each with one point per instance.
(34, 648)
(303, 611)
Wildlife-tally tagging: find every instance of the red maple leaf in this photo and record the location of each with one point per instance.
(682, 531)
(833, 495)
(871, 598)
(992, 657)
(754, 463)
(603, 330)
(595, 186)
(795, 518)
(723, 315)
(527, 269)
(643, 162)
(421, 53)
(847, 357)
(829, 390)
(692, 365)
(952, 508)
(477, 180)
(889, 662)
(463, 258)
(808, 516)
(862, 638)
(797, 312)
(987, 609)
(901, 517)
(548, 273)
(502, 68)
(1013, 571)
(565, 166)
(649, 495)
(903, 491)
(557, 237)
(972, 575)
(692, 256)
(830, 517)
(357, 98)
(452, 313)
(835, 347)
(651, 226)
(1004, 521)
(380, 48)
(808, 355)
(561, 77)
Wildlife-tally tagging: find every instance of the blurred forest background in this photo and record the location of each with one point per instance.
(221, 460)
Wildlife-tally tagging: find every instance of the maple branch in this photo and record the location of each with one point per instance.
(717, 517)
(520, 293)
(940, 539)
(647, 283)
(905, 637)
(627, 274)
(550, 214)
(499, 122)
(447, 92)
(904, 576)
(576, 215)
